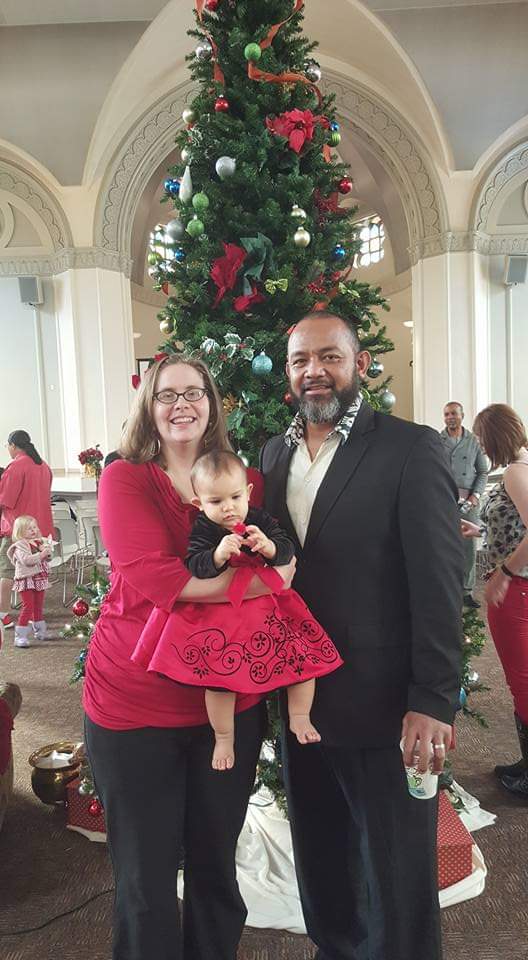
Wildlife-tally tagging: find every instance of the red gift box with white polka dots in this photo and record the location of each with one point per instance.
(79, 816)
(454, 845)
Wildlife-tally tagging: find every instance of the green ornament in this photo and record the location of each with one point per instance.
(253, 51)
(200, 202)
(153, 259)
(195, 227)
(335, 138)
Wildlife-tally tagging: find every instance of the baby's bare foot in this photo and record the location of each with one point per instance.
(224, 752)
(303, 729)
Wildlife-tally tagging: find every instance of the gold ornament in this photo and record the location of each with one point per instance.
(301, 237)
(167, 326)
(298, 213)
(229, 403)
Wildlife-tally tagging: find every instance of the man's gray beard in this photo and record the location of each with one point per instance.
(331, 410)
(327, 411)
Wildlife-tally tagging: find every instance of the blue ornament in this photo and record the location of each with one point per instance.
(339, 252)
(82, 656)
(262, 364)
(179, 255)
(462, 697)
(334, 126)
(172, 187)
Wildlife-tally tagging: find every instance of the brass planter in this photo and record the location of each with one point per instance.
(50, 775)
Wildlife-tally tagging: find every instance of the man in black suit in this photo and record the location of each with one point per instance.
(372, 507)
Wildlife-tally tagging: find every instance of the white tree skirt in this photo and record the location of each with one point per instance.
(266, 874)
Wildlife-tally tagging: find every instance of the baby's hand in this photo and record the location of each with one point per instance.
(259, 542)
(228, 547)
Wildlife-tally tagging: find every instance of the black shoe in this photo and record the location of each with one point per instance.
(470, 602)
(517, 785)
(510, 770)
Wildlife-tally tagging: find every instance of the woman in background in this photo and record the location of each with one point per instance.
(503, 437)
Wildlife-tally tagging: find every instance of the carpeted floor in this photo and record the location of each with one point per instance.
(46, 870)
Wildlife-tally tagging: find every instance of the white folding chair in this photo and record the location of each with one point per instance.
(67, 551)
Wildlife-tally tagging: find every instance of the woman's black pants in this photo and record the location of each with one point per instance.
(161, 796)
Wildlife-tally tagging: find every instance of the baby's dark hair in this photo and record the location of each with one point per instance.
(214, 463)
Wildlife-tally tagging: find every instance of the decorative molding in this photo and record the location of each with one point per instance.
(399, 149)
(497, 180)
(20, 183)
(468, 242)
(374, 121)
(74, 258)
(139, 156)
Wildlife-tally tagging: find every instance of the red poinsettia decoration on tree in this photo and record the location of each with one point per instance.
(247, 300)
(297, 126)
(225, 269)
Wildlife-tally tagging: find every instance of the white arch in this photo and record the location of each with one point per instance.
(385, 132)
(496, 184)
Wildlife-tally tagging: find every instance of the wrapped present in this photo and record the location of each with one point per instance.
(455, 845)
(84, 813)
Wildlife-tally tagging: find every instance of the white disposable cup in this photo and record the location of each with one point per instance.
(422, 786)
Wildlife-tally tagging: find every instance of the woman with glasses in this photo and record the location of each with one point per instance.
(148, 739)
(25, 488)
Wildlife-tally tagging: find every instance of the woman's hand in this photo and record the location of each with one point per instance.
(287, 572)
(470, 529)
(497, 588)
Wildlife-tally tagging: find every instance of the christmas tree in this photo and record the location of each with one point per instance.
(259, 237)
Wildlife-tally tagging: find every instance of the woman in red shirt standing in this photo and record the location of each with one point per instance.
(148, 739)
(25, 488)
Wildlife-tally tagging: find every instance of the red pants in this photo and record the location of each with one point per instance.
(509, 629)
(32, 606)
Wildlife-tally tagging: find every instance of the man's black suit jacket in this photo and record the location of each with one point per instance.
(382, 570)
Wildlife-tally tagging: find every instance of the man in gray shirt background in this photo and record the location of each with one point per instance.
(470, 470)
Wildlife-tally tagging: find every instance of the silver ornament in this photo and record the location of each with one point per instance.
(186, 186)
(387, 400)
(313, 71)
(225, 167)
(204, 50)
(242, 456)
(188, 115)
(301, 237)
(297, 212)
(186, 156)
(175, 230)
(473, 678)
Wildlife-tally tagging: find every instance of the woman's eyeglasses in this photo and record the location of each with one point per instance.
(192, 395)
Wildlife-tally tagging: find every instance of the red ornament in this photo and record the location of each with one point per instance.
(221, 104)
(95, 808)
(287, 397)
(212, 5)
(345, 185)
(80, 608)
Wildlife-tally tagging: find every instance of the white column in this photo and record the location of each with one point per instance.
(451, 335)
(94, 321)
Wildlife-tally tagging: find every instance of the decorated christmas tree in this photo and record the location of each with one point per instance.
(260, 235)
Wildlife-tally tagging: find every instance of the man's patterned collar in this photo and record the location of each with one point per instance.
(295, 432)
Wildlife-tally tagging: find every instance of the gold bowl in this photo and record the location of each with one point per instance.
(53, 767)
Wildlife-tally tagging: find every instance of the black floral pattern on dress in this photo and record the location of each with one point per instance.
(504, 528)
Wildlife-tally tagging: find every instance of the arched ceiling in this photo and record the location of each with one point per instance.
(457, 71)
